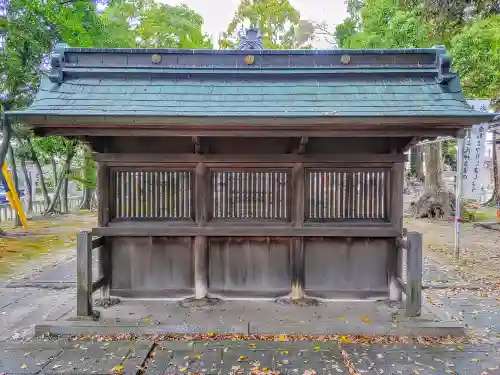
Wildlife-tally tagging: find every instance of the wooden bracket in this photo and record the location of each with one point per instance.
(302, 145)
(197, 144)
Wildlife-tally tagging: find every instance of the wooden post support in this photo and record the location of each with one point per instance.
(200, 242)
(298, 270)
(200, 267)
(414, 277)
(84, 274)
(298, 255)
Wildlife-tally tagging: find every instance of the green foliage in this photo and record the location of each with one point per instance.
(87, 176)
(476, 56)
(383, 24)
(450, 153)
(31, 29)
(278, 21)
(469, 29)
(150, 24)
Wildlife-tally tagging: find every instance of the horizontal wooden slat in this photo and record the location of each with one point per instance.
(148, 229)
(242, 158)
(88, 129)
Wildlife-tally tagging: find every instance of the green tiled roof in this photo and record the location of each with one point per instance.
(279, 84)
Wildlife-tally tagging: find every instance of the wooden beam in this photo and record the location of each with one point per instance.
(155, 132)
(84, 274)
(235, 122)
(116, 158)
(148, 229)
(412, 143)
(98, 242)
(96, 285)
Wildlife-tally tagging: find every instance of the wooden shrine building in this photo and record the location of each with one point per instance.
(248, 172)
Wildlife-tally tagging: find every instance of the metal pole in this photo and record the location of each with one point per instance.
(458, 192)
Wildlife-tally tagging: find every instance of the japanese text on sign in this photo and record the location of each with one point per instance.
(474, 154)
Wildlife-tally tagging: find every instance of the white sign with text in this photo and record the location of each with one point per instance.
(474, 155)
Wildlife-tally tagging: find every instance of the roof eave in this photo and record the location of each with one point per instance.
(78, 119)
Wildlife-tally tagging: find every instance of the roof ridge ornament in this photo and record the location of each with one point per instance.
(251, 39)
(443, 62)
(57, 63)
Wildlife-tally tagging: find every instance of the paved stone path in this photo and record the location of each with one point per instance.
(235, 357)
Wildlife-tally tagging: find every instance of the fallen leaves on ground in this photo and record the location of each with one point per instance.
(343, 339)
(349, 365)
(117, 370)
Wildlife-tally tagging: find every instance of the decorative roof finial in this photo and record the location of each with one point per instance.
(251, 39)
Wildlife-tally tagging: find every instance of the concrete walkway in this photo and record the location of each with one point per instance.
(242, 357)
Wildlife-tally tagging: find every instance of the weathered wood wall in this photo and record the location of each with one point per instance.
(292, 219)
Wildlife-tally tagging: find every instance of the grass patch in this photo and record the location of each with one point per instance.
(14, 251)
(44, 235)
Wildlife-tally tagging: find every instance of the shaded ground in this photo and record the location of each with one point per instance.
(479, 252)
(47, 240)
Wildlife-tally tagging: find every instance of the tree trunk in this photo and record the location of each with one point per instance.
(88, 176)
(436, 201)
(17, 220)
(87, 195)
(64, 196)
(28, 185)
(55, 180)
(419, 170)
(93, 202)
(62, 176)
(43, 185)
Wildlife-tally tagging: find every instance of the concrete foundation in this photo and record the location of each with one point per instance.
(252, 317)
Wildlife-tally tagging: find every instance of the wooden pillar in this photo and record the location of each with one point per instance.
(397, 187)
(298, 255)
(414, 277)
(201, 190)
(103, 192)
(84, 274)
(393, 271)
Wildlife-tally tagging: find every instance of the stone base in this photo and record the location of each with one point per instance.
(192, 302)
(106, 302)
(301, 302)
(304, 317)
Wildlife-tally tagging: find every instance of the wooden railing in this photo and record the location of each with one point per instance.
(7, 214)
(409, 278)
